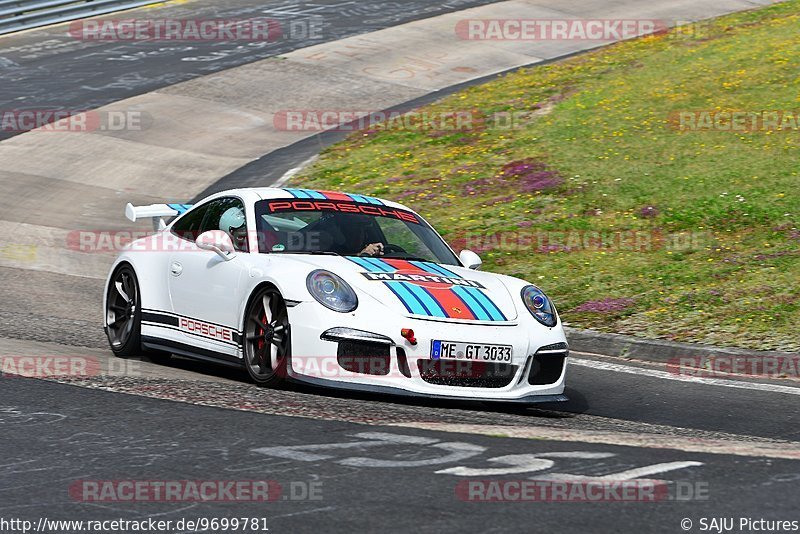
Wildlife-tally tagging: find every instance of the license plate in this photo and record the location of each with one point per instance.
(476, 352)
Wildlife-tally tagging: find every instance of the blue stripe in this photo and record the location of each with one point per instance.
(442, 270)
(180, 208)
(433, 307)
(358, 198)
(487, 303)
(411, 302)
(424, 266)
(471, 304)
(297, 193)
(363, 263)
(396, 294)
(373, 200)
(313, 194)
(381, 265)
(478, 311)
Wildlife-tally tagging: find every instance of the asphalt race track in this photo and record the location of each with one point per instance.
(49, 69)
(94, 435)
(339, 462)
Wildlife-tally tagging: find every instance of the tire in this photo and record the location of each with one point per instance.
(123, 324)
(267, 343)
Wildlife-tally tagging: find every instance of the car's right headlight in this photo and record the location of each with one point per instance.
(331, 291)
(540, 306)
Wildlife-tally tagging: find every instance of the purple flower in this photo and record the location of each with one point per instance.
(525, 175)
(606, 305)
(648, 212)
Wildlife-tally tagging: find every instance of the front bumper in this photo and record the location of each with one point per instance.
(380, 360)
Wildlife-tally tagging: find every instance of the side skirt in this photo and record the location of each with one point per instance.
(189, 351)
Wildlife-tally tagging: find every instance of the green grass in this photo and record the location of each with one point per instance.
(719, 209)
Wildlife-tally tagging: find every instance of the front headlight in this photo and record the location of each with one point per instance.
(331, 291)
(539, 305)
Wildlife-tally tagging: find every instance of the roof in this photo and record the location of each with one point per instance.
(261, 193)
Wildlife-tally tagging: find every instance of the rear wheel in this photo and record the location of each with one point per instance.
(124, 316)
(267, 342)
(123, 313)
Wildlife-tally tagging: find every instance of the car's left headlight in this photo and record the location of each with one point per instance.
(540, 306)
(331, 291)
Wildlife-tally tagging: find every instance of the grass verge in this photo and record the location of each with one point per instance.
(632, 224)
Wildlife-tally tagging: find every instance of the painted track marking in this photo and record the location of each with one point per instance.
(653, 373)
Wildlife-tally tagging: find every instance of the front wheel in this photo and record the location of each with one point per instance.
(267, 340)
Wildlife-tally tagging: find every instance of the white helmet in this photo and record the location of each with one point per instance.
(231, 220)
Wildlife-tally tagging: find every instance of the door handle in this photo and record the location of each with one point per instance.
(176, 268)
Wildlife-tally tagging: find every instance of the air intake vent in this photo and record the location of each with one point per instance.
(466, 374)
(364, 358)
(402, 362)
(548, 364)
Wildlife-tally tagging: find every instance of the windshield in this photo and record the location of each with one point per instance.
(347, 228)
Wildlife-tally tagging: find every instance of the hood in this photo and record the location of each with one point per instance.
(424, 289)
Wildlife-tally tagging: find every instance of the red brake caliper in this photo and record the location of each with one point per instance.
(261, 332)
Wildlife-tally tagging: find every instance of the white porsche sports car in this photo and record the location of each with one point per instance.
(333, 289)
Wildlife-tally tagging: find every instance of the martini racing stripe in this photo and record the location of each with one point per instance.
(332, 195)
(368, 265)
(306, 193)
(480, 311)
(431, 304)
(180, 208)
(438, 269)
(487, 303)
(413, 305)
(424, 298)
(380, 265)
(484, 307)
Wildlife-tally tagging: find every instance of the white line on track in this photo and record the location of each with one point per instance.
(618, 368)
(752, 447)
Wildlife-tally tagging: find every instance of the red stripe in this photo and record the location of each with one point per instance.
(445, 296)
(449, 300)
(335, 195)
(404, 265)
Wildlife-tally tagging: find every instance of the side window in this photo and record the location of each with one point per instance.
(188, 226)
(227, 214)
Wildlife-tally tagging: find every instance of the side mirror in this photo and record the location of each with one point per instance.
(470, 260)
(217, 241)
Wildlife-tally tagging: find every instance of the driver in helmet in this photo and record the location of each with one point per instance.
(233, 222)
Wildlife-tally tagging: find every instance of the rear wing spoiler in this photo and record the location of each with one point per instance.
(155, 212)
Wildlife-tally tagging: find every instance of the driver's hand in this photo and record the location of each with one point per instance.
(373, 249)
